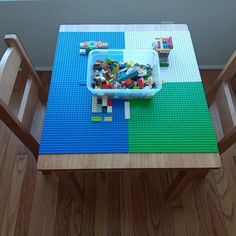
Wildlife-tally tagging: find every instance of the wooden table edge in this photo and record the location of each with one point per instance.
(129, 161)
(122, 28)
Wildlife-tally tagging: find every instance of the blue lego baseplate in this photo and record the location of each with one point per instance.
(67, 127)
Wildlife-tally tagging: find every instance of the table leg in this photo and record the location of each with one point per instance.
(181, 181)
(46, 172)
(69, 182)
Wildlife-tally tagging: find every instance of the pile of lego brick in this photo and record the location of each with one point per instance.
(163, 47)
(110, 74)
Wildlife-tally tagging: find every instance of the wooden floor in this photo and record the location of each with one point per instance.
(115, 203)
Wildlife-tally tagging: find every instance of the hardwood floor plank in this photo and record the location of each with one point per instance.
(10, 218)
(166, 207)
(126, 204)
(226, 194)
(6, 176)
(88, 211)
(101, 212)
(76, 210)
(213, 203)
(159, 211)
(25, 206)
(190, 213)
(63, 212)
(113, 204)
(43, 214)
(139, 208)
(26, 198)
(201, 201)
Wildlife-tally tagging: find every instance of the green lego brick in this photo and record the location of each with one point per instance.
(175, 120)
(164, 64)
(96, 118)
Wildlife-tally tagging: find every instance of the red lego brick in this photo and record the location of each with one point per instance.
(109, 102)
(106, 86)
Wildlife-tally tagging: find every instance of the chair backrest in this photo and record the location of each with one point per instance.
(222, 103)
(14, 60)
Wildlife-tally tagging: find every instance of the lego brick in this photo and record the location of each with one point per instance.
(127, 110)
(104, 101)
(109, 109)
(107, 119)
(164, 64)
(104, 109)
(96, 118)
(109, 102)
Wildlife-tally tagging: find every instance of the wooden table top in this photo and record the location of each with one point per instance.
(127, 161)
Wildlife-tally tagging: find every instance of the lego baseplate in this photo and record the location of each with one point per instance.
(175, 120)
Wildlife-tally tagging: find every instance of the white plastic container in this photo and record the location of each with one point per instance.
(137, 56)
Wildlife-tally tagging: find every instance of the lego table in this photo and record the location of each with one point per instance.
(183, 140)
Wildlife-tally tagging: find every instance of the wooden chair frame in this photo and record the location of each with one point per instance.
(222, 93)
(14, 59)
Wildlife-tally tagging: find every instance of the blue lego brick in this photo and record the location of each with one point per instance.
(68, 128)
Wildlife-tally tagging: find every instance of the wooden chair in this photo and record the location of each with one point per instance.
(222, 103)
(14, 60)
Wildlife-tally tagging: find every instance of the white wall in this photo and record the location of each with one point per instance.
(212, 23)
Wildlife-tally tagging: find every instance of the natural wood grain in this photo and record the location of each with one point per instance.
(215, 116)
(227, 141)
(225, 76)
(70, 183)
(25, 204)
(10, 218)
(63, 212)
(126, 204)
(180, 182)
(9, 67)
(44, 206)
(76, 210)
(101, 210)
(113, 206)
(12, 40)
(12, 148)
(28, 187)
(17, 128)
(128, 161)
(211, 76)
(139, 208)
(89, 207)
(226, 108)
(14, 58)
(122, 28)
(222, 104)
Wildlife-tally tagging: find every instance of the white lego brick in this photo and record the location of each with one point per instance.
(104, 101)
(108, 119)
(127, 111)
(109, 109)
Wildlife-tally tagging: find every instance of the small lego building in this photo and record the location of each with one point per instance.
(86, 47)
(101, 105)
(163, 46)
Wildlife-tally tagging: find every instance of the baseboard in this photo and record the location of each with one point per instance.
(201, 67)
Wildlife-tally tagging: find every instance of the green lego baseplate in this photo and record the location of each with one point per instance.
(176, 120)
